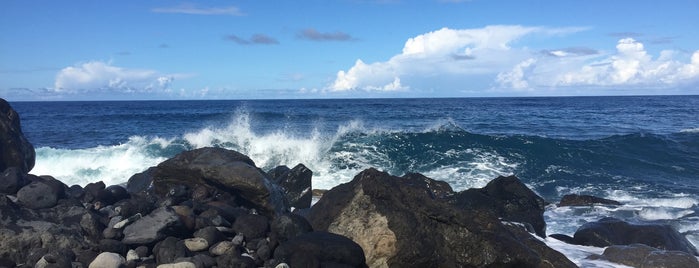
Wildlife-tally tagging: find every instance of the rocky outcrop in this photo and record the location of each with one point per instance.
(16, 150)
(296, 183)
(509, 199)
(585, 200)
(612, 231)
(219, 170)
(400, 222)
(639, 255)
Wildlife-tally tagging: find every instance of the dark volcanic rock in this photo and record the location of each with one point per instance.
(11, 180)
(437, 189)
(399, 222)
(585, 200)
(288, 226)
(639, 255)
(140, 182)
(320, 249)
(15, 149)
(168, 250)
(612, 231)
(508, 198)
(251, 226)
(296, 184)
(37, 195)
(211, 234)
(111, 245)
(92, 190)
(220, 170)
(151, 227)
(112, 194)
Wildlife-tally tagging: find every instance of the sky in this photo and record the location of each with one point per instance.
(144, 50)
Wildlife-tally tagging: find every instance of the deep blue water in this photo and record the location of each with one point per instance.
(643, 151)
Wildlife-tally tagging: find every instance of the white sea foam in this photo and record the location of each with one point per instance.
(690, 130)
(111, 164)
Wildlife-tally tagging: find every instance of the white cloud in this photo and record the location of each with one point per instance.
(629, 66)
(445, 53)
(96, 76)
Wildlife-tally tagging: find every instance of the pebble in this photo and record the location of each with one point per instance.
(220, 248)
(184, 264)
(196, 244)
(132, 255)
(108, 260)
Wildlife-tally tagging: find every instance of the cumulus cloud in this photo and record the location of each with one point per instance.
(315, 35)
(256, 39)
(195, 10)
(95, 76)
(629, 66)
(444, 55)
(496, 59)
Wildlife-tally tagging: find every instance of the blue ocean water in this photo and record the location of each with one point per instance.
(640, 150)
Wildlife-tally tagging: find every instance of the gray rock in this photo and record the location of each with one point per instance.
(140, 182)
(320, 248)
(150, 228)
(220, 170)
(287, 226)
(185, 264)
(15, 149)
(639, 255)
(251, 226)
(108, 260)
(196, 244)
(402, 222)
(115, 246)
(220, 248)
(37, 195)
(168, 250)
(11, 180)
(612, 231)
(210, 234)
(132, 255)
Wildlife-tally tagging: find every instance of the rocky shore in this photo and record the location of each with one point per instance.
(213, 207)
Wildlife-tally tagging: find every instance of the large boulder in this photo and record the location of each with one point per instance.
(639, 255)
(219, 169)
(15, 149)
(401, 222)
(509, 199)
(320, 249)
(37, 195)
(612, 231)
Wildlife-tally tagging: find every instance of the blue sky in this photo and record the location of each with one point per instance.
(109, 50)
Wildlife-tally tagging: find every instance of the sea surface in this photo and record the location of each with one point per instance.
(642, 150)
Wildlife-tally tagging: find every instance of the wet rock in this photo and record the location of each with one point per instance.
(210, 234)
(108, 260)
(75, 191)
(288, 226)
(11, 180)
(112, 194)
(251, 226)
(220, 248)
(168, 250)
(585, 200)
(296, 184)
(316, 249)
(15, 149)
(92, 190)
(639, 255)
(220, 170)
(139, 183)
(37, 195)
(509, 199)
(612, 231)
(400, 222)
(151, 227)
(111, 245)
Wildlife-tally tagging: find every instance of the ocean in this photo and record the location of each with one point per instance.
(640, 150)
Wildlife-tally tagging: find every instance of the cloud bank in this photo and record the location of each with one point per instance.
(495, 59)
(98, 76)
